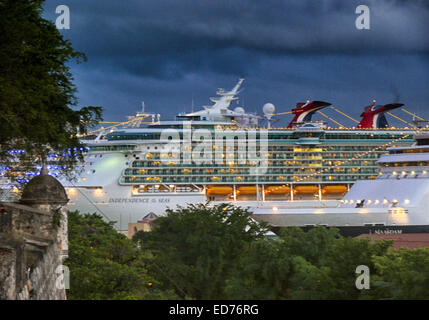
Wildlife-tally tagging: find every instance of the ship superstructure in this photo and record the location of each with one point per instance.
(396, 202)
(221, 155)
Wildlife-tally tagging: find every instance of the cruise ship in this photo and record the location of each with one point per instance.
(396, 202)
(224, 154)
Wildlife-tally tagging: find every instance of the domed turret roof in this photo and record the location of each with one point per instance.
(44, 189)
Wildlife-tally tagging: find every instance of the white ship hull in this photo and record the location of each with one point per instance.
(117, 203)
(398, 203)
(123, 208)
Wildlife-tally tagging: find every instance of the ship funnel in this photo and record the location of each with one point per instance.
(305, 110)
(373, 116)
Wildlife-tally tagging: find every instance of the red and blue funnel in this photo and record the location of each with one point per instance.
(305, 110)
(373, 116)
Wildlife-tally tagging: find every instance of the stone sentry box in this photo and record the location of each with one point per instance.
(33, 242)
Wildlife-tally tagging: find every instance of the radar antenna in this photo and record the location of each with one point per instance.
(269, 110)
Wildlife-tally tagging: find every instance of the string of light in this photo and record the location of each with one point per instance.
(333, 120)
(356, 121)
(396, 117)
(342, 113)
(281, 113)
(119, 123)
(413, 114)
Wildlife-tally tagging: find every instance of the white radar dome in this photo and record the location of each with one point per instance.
(239, 110)
(269, 109)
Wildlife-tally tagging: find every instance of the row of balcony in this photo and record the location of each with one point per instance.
(234, 171)
(354, 164)
(248, 179)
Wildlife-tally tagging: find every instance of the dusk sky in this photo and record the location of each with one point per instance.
(170, 52)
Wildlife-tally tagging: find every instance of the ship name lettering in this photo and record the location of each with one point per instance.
(138, 200)
(388, 231)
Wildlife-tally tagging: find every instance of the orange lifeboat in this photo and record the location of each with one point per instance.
(306, 189)
(248, 190)
(277, 190)
(219, 190)
(334, 189)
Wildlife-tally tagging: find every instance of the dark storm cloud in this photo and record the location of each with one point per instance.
(170, 52)
(169, 37)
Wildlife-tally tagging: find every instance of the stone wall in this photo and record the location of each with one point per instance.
(33, 244)
(8, 276)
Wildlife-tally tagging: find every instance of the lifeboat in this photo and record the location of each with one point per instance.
(219, 190)
(248, 190)
(277, 190)
(306, 189)
(334, 189)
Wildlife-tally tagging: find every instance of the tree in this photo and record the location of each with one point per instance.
(402, 274)
(105, 264)
(262, 271)
(312, 245)
(324, 265)
(195, 248)
(218, 252)
(318, 264)
(37, 94)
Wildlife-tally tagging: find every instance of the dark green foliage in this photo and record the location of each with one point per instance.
(402, 274)
(36, 89)
(219, 252)
(318, 264)
(312, 245)
(56, 218)
(325, 267)
(261, 272)
(196, 248)
(105, 264)
(206, 253)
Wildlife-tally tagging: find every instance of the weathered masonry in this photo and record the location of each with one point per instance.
(33, 242)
